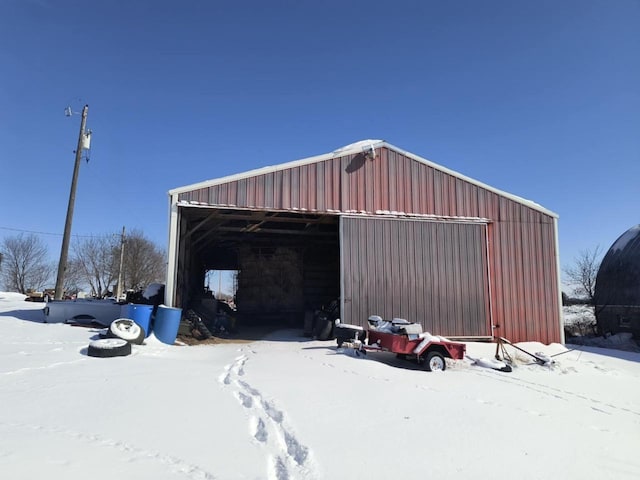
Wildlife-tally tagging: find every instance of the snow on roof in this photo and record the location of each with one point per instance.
(351, 149)
(362, 145)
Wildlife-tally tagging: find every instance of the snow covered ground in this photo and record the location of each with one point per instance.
(288, 407)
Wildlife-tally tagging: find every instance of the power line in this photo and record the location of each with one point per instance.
(57, 234)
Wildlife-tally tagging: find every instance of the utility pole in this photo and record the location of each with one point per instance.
(119, 289)
(64, 251)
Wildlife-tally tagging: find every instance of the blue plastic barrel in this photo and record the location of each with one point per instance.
(141, 314)
(166, 324)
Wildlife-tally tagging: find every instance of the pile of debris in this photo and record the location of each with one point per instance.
(207, 322)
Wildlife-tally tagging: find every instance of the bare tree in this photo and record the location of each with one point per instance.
(94, 262)
(24, 263)
(143, 263)
(73, 278)
(582, 273)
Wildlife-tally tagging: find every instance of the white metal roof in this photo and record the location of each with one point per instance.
(351, 149)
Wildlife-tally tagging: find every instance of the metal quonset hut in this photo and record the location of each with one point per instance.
(384, 231)
(617, 293)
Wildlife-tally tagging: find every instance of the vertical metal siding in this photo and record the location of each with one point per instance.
(521, 240)
(434, 273)
(252, 200)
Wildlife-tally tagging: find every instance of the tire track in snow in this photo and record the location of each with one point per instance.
(344, 370)
(175, 464)
(288, 458)
(555, 392)
(42, 367)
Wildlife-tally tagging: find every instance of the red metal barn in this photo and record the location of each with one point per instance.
(384, 231)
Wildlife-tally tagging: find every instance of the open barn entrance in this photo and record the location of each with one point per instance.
(284, 264)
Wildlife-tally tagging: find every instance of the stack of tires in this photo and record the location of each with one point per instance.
(117, 340)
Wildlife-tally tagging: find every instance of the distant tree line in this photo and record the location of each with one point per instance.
(94, 264)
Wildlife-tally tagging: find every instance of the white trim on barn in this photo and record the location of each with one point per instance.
(555, 230)
(172, 254)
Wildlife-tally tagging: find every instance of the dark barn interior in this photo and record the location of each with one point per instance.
(287, 263)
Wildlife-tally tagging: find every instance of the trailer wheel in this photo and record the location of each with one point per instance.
(109, 347)
(434, 361)
(128, 330)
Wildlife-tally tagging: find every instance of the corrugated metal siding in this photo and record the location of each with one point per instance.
(391, 182)
(434, 273)
(524, 280)
(521, 240)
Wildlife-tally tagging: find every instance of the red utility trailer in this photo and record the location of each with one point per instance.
(406, 340)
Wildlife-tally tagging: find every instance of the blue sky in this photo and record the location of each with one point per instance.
(537, 98)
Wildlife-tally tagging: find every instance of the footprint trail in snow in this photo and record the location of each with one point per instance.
(287, 458)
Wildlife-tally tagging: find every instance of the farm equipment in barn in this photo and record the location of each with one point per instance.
(406, 340)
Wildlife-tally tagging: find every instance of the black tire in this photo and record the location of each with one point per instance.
(198, 325)
(128, 330)
(109, 347)
(434, 361)
(202, 328)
